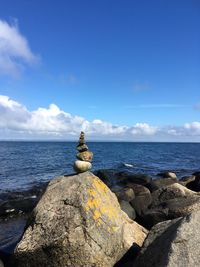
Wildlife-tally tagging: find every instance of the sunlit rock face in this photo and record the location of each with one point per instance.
(78, 222)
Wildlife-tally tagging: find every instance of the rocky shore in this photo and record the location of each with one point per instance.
(102, 219)
(160, 221)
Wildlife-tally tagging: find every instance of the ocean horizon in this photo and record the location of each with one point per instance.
(24, 164)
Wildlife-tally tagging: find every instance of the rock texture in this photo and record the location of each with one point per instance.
(142, 198)
(172, 244)
(170, 192)
(170, 202)
(77, 223)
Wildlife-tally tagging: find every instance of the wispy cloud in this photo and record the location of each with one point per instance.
(15, 52)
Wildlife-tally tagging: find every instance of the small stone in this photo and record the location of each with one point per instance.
(82, 148)
(82, 166)
(85, 156)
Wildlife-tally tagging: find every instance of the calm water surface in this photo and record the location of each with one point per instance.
(25, 164)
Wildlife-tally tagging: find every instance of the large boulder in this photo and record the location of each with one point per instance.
(158, 183)
(78, 222)
(172, 244)
(172, 191)
(170, 209)
(170, 202)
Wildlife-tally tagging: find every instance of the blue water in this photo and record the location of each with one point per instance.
(25, 164)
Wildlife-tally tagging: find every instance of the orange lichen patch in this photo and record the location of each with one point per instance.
(100, 203)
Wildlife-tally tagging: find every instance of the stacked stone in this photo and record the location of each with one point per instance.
(84, 156)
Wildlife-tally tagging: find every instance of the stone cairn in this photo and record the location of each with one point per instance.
(84, 156)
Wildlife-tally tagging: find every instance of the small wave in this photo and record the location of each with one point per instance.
(128, 165)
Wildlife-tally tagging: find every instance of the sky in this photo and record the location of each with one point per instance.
(119, 70)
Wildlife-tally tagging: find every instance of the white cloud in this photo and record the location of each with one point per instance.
(16, 122)
(193, 128)
(56, 122)
(143, 129)
(14, 50)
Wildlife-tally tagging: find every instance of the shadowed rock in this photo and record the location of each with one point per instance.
(172, 244)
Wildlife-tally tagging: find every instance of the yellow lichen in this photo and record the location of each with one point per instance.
(99, 203)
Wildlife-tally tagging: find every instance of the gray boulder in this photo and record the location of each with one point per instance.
(128, 209)
(158, 183)
(142, 198)
(170, 209)
(78, 222)
(172, 191)
(168, 175)
(172, 244)
(126, 194)
(170, 202)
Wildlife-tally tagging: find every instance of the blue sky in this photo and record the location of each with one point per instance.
(129, 69)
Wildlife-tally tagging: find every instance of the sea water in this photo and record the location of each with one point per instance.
(25, 164)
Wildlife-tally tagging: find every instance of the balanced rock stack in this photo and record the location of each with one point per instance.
(84, 156)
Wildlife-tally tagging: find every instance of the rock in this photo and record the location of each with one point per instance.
(128, 209)
(129, 257)
(107, 176)
(126, 193)
(82, 166)
(152, 217)
(196, 173)
(179, 207)
(158, 183)
(195, 184)
(82, 148)
(170, 192)
(13, 203)
(168, 175)
(1, 263)
(124, 178)
(77, 222)
(85, 156)
(170, 209)
(186, 179)
(142, 198)
(172, 244)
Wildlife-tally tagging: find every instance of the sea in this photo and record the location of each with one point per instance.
(26, 164)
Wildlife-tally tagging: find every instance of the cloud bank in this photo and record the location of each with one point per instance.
(14, 50)
(17, 122)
